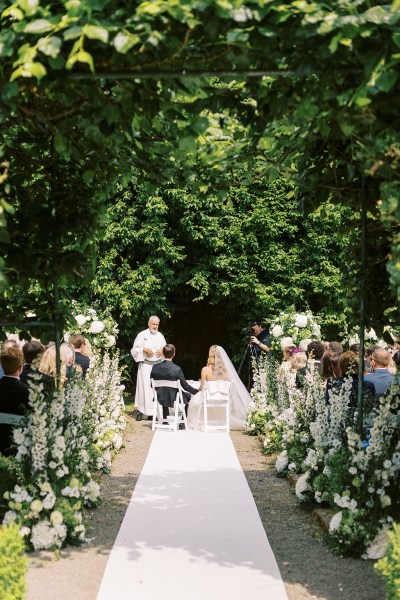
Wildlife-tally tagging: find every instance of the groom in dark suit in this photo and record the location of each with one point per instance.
(171, 372)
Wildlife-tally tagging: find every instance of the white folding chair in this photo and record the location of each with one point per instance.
(216, 394)
(172, 422)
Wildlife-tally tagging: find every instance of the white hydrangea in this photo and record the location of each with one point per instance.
(377, 548)
(80, 319)
(300, 320)
(304, 344)
(286, 341)
(281, 461)
(96, 327)
(302, 485)
(335, 521)
(277, 331)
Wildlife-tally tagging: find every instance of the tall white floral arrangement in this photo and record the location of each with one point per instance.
(292, 327)
(99, 328)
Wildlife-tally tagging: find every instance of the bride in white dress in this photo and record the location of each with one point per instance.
(220, 367)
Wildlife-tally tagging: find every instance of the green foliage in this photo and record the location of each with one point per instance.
(9, 477)
(389, 566)
(13, 564)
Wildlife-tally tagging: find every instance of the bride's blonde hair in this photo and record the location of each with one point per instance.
(215, 363)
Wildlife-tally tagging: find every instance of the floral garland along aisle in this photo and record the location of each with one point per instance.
(67, 438)
(357, 477)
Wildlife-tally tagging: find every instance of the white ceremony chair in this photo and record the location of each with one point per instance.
(179, 416)
(216, 394)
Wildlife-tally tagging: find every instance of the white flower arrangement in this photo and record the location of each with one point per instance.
(291, 327)
(58, 448)
(100, 329)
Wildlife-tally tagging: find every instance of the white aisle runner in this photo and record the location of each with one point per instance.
(191, 530)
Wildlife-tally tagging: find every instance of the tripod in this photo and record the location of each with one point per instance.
(252, 354)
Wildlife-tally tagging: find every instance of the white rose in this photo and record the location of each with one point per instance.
(301, 321)
(56, 517)
(277, 331)
(66, 337)
(96, 327)
(36, 506)
(81, 320)
(353, 340)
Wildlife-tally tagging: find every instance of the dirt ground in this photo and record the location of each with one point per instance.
(309, 570)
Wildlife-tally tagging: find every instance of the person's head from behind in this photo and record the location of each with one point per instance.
(336, 347)
(298, 359)
(315, 350)
(380, 358)
(288, 351)
(77, 341)
(348, 364)
(32, 352)
(154, 323)
(169, 351)
(355, 348)
(215, 362)
(11, 360)
(330, 365)
(48, 361)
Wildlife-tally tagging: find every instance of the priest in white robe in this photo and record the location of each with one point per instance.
(147, 351)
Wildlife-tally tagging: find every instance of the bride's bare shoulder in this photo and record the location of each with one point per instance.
(206, 371)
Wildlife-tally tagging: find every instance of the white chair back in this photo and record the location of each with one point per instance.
(217, 395)
(172, 423)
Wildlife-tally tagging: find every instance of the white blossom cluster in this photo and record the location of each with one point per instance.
(102, 331)
(357, 475)
(58, 446)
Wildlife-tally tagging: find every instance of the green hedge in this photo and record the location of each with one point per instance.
(9, 471)
(13, 564)
(389, 565)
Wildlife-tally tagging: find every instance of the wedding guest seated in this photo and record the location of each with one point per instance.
(330, 365)
(348, 366)
(315, 352)
(336, 348)
(367, 356)
(48, 361)
(8, 343)
(169, 371)
(32, 352)
(380, 376)
(355, 348)
(79, 343)
(14, 395)
(298, 359)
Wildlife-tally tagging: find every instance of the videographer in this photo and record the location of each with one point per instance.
(259, 340)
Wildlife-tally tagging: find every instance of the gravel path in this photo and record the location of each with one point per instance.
(309, 569)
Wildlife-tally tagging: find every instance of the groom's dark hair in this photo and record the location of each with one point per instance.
(169, 351)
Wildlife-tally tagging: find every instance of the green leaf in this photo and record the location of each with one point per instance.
(50, 46)
(237, 35)
(123, 42)
(72, 33)
(386, 80)
(39, 26)
(95, 32)
(35, 69)
(83, 57)
(396, 36)
(59, 143)
(363, 101)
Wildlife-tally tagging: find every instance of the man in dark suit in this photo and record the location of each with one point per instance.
(14, 395)
(78, 342)
(32, 352)
(171, 372)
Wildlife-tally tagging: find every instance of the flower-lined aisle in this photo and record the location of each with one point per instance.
(64, 443)
(357, 475)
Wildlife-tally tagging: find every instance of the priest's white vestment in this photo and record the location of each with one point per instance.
(144, 393)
